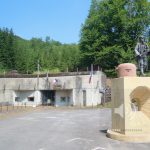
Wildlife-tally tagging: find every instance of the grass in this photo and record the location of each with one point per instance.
(6, 72)
(44, 71)
(147, 73)
(107, 105)
(56, 70)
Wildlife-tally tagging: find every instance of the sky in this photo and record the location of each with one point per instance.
(59, 19)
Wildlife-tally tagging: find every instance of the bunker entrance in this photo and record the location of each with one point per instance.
(48, 97)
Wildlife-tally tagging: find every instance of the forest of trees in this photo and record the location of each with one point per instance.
(107, 38)
(22, 55)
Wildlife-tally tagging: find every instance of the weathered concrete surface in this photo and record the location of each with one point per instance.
(138, 138)
(124, 120)
(25, 88)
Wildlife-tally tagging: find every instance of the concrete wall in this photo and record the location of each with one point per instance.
(83, 81)
(66, 94)
(70, 86)
(70, 95)
(23, 97)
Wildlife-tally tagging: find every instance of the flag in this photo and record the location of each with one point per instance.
(54, 81)
(90, 76)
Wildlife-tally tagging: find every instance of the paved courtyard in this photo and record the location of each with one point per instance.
(61, 129)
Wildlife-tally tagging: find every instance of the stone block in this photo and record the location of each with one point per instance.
(125, 121)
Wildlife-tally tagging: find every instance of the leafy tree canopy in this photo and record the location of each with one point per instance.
(111, 30)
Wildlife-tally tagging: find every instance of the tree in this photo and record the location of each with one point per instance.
(74, 57)
(112, 25)
(64, 58)
(10, 50)
(57, 43)
(22, 55)
(7, 48)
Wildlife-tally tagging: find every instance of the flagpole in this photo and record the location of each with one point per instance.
(92, 83)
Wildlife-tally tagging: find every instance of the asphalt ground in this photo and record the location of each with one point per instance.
(61, 129)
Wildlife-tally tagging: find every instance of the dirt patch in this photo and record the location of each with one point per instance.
(15, 112)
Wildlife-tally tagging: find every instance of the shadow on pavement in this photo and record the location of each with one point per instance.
(104, 131)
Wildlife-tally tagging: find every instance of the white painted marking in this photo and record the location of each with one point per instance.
(42, 149)
(78, 139)
(98, 148)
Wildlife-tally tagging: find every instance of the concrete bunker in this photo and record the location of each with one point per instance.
(72, 89)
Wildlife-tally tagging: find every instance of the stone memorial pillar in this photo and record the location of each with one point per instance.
(128, 124)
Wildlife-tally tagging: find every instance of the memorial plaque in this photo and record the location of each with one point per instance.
(57, 86)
